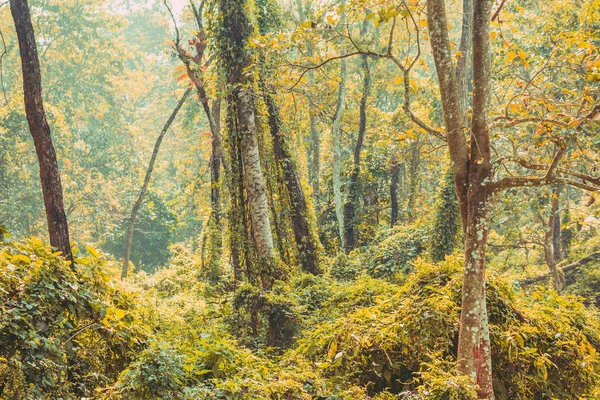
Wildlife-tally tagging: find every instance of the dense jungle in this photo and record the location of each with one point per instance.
(308, 199)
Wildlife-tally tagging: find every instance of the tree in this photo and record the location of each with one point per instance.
(58, 228)
(475, 177)
(353, 189)
(234, 33)
(195, 67)
(140, 198)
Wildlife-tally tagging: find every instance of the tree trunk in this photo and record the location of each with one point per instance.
(556, 224)
(473, 177)
(474, 351)
(395, 172)
(337, 150)
(352, 201)
(315, 145)
(234, 35)
(413, 179)
(552, 241)
(303, 235)
(255, 182)
(140, 198)
(58, 228)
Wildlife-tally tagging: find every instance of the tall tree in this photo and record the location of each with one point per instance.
(269, 20)
(336, 131)
(194, 66)
(315, 136)
(235, 32)
(140, 199)
(353, 189)
(58, 228)
(474, 176)
(395, 175)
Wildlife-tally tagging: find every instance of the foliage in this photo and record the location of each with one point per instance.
(413, 328)
(446, 221)
(152, 234)
(63, 331)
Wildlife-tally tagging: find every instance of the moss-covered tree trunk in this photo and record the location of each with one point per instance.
(395, 175)
(301, 227)
(235, 32)
(446, 220)
(353, 189)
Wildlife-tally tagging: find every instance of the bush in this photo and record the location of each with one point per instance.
(63, 332)
(543, 346)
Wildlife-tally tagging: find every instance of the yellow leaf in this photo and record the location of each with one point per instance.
(21, 257)
(397, 80)
(119, 313)
(92, 251)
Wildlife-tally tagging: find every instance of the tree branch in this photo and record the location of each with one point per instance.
(565, 269)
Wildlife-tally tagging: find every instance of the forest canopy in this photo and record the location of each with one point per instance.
(264, 199)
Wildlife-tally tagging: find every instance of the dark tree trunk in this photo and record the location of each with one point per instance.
(142, 194)
(40, 130)
(413, 179)
(305, 240)
(395, 171)
(352, 201)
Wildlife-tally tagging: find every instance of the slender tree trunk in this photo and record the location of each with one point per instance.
(140, 198)
(413, 179)
(315, 167)
(552, 241)
(464, 67)
(556, 224)
(215, 164)
(303, 235)
(474, 351)
(337, 150)
(352, 202)
(315, 145)
(58, 228)
(395, 172)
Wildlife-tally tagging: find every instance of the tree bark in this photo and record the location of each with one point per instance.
(395, 172)
(215, 163)
(254, 181)
(337, 150)
(235, 57)
(58, 228)
(473, 177)
(303, 235)
(413, 179)
(142, 194)
(552, 241)
(353, 190)
(556, 224)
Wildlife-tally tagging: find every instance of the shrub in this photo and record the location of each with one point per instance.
(63, 331)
